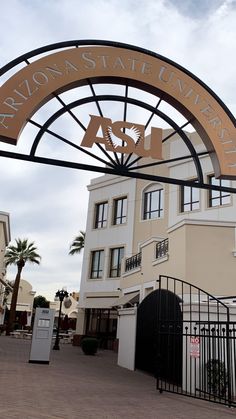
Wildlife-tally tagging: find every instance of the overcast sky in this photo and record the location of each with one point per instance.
(48, 205)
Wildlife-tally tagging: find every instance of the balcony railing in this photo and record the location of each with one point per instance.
(133, 262)
(162, 248)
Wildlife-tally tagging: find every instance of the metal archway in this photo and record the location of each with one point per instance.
(129, 99)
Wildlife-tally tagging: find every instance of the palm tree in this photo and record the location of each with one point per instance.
(18, 255)
(78, 243)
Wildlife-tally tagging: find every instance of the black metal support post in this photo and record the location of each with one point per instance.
(61, 295)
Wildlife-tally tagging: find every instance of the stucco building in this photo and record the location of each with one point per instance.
(24, 307)
(137, 230)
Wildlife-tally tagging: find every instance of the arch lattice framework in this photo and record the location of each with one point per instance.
(119, 98)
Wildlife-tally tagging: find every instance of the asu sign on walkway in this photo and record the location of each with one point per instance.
(29, 88)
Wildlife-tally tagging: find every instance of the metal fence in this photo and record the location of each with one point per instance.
(162, 248)
(196, 343)
(133, 262)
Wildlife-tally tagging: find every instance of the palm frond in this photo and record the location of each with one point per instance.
(78, 244)
(23, 251)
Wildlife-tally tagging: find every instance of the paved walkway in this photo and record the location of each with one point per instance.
(74, 385)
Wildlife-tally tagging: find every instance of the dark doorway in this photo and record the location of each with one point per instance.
(159, 336)
(102, 323)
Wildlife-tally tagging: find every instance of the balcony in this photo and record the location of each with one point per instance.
(133, 262)
(162, 248)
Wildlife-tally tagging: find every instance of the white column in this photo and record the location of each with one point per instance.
(127, 337)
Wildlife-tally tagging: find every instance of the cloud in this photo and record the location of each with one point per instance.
(199, 9)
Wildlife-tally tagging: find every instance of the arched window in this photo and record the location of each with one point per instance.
(153, 202)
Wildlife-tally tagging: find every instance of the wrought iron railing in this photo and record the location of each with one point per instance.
(133, 262)
(162, 248)
(201, 332)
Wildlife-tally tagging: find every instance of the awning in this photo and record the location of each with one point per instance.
(131, 298)
(21, 307)
(73, 315)
(100, 302)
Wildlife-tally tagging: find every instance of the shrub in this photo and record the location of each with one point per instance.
(217, 377)
(89, 346)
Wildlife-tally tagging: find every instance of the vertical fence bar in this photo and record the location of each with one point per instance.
(208, 342)
(186, 361)
(204, 361)
(228, 349)
(158, 372)
(218, 356)
(234, 363)
(195, 366)
(224, 360)
(200, 343)
(174, 322)
(168, 332)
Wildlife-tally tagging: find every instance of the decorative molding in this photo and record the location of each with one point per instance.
(150, 241)
(208, 223)
(132, 271)
(160, 260)
(127, 311)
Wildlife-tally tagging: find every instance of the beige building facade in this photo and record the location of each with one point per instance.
(24, 307)
(163, 229)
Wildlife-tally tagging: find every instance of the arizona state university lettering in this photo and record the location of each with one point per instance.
(116, 139)
(86, 60)
(28, 87)
(187, 92)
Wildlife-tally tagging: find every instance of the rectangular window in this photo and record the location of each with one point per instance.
(217, 198)
(97, 263)
(101, 211)
(153, 204)
(190, 198)
(120, 211)
(115, 262)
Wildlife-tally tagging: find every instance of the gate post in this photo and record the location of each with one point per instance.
(127, 337)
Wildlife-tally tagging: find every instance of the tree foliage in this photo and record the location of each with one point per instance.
(40, 301)
(19, 255)
(78, 243)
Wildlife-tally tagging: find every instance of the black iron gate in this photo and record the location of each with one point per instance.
(187, 339)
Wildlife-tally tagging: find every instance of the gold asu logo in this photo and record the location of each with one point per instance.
(123, 137)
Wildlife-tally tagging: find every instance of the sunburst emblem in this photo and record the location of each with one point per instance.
(114, 141)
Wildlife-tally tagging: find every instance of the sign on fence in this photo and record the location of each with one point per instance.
(194, 347)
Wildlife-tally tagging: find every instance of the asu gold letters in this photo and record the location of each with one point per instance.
(116, 139)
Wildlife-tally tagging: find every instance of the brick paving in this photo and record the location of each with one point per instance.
(74, 385)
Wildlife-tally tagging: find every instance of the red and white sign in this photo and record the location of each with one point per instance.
(195, 347)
